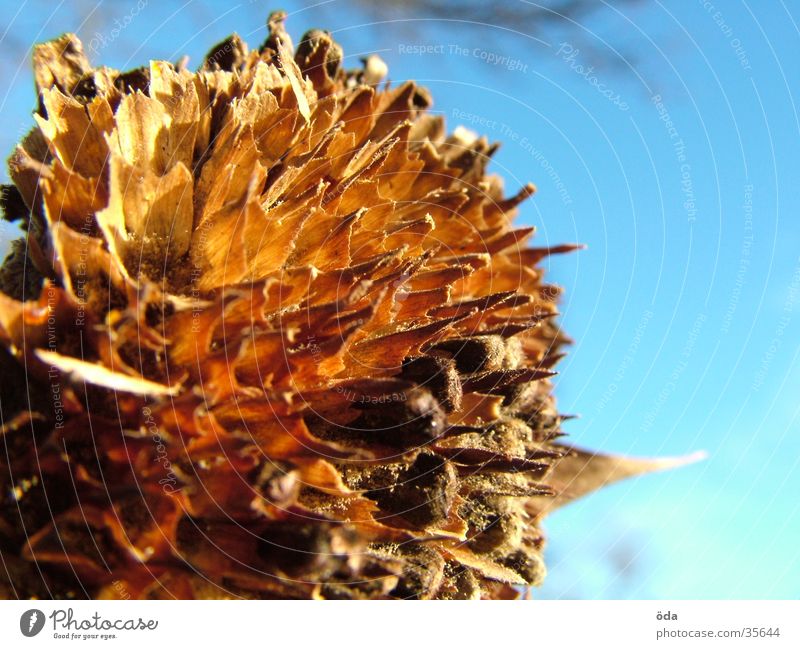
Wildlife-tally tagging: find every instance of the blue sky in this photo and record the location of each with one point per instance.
(675, 160)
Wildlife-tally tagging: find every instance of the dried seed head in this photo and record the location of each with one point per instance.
(281, 338)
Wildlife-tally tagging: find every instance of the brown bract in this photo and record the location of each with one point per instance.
(271, 333)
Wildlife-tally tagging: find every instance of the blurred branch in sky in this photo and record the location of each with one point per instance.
(552, 20)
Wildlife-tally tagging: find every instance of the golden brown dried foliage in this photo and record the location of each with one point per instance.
(271, 333)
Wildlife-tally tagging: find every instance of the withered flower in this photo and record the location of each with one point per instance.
(271, 333)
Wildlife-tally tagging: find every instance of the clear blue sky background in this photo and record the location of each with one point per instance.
(685, 307)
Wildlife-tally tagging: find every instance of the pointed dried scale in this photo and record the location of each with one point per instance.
(271, 333)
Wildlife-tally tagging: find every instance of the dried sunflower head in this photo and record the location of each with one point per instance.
(270, 333)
